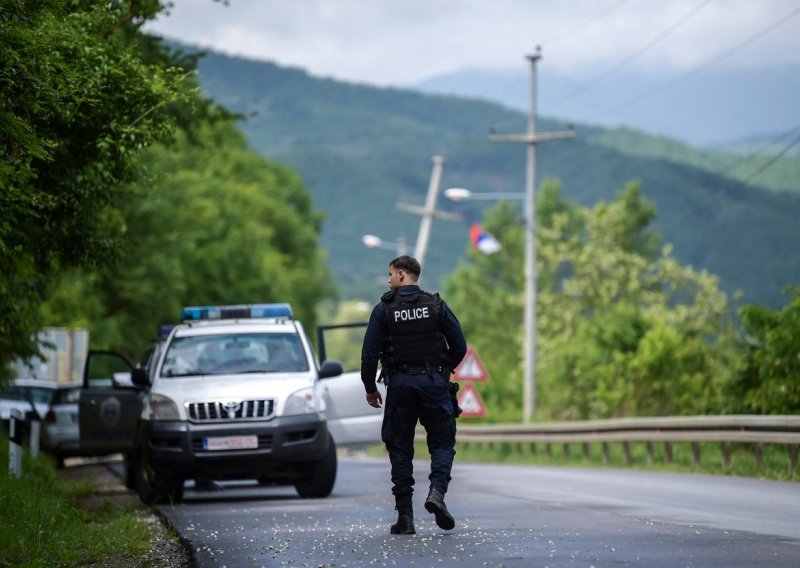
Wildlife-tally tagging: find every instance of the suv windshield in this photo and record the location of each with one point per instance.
(231, 353)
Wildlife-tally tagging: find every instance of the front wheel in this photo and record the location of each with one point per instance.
(153, 488)
(317, 478)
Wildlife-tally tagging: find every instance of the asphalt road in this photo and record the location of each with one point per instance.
(509, 516)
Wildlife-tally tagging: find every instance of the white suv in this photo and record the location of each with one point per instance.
(233, 392)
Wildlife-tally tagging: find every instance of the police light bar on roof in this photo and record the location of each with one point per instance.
(245, 311)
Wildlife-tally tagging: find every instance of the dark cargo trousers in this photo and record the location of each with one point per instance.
(413, 396)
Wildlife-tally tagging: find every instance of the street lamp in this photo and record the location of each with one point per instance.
(461, 194)
(373, 241)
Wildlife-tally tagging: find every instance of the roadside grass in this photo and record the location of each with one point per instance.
(743, 457)
(41, 523)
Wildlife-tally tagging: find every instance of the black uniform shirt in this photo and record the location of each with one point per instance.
(376, 334)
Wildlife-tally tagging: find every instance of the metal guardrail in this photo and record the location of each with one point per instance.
(748, 429)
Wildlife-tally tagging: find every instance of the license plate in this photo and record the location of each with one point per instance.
(230, 443)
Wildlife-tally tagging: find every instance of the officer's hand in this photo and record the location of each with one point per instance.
(374, 399)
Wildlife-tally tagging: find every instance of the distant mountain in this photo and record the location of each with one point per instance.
(707, 109)
(360, 149)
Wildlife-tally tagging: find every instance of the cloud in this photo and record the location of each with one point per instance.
(386, 42)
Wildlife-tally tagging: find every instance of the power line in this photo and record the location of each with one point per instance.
(556, 38)
(730, 51)
(580, 25)
(725, 54)
(792, 143)
(754, 155)
(747, 181)
(742, 185)
(637, 53)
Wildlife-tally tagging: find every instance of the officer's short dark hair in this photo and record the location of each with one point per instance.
(407, 264)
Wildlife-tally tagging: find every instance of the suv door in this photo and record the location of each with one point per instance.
(351, 421)
(109, 405)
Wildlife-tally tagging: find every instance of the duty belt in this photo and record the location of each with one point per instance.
(424, 370)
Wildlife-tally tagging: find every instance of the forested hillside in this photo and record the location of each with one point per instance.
(768, 162)
(360, 149)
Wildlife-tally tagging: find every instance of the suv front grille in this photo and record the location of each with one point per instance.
(220, 411)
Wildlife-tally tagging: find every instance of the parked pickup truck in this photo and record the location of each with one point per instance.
(232, 392)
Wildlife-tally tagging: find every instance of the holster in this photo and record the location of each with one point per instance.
(454, 399)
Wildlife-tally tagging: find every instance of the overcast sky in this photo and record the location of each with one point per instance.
(400, 42)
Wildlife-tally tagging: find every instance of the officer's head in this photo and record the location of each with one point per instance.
(403, 270)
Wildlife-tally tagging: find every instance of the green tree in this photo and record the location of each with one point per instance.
(623, 329)
(770, 380)
(214, 224)
(78, 101)
(642, 335)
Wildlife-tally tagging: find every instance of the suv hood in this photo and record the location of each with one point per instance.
(223, 388)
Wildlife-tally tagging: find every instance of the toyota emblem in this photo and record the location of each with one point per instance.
(231, 407)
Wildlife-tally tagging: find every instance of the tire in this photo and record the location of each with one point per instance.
(153, 488)
(129, 466)
(317, 478)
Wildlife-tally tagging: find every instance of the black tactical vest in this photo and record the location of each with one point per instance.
(414, 337)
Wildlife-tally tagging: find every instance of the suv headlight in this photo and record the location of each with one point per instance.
(303, 401)
(161, 408)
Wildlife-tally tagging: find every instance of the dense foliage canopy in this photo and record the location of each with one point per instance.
(78, 100)
(623, 328)
(214, 224)
(125, 193)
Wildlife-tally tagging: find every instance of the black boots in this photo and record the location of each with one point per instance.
(404, 524)
(435, 504)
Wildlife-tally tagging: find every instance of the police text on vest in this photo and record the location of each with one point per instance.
(409, 314)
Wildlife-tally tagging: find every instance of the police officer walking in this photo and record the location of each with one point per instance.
(419, 342)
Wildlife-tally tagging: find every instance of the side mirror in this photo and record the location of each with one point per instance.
(122, 380)
(139, 378)
(330, 368)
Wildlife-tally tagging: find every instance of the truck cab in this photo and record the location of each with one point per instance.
(231, 392)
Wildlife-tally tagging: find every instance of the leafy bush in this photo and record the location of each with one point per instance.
(770, 380)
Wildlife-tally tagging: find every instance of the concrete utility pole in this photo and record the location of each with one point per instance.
(531, 138)
(428, 212)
